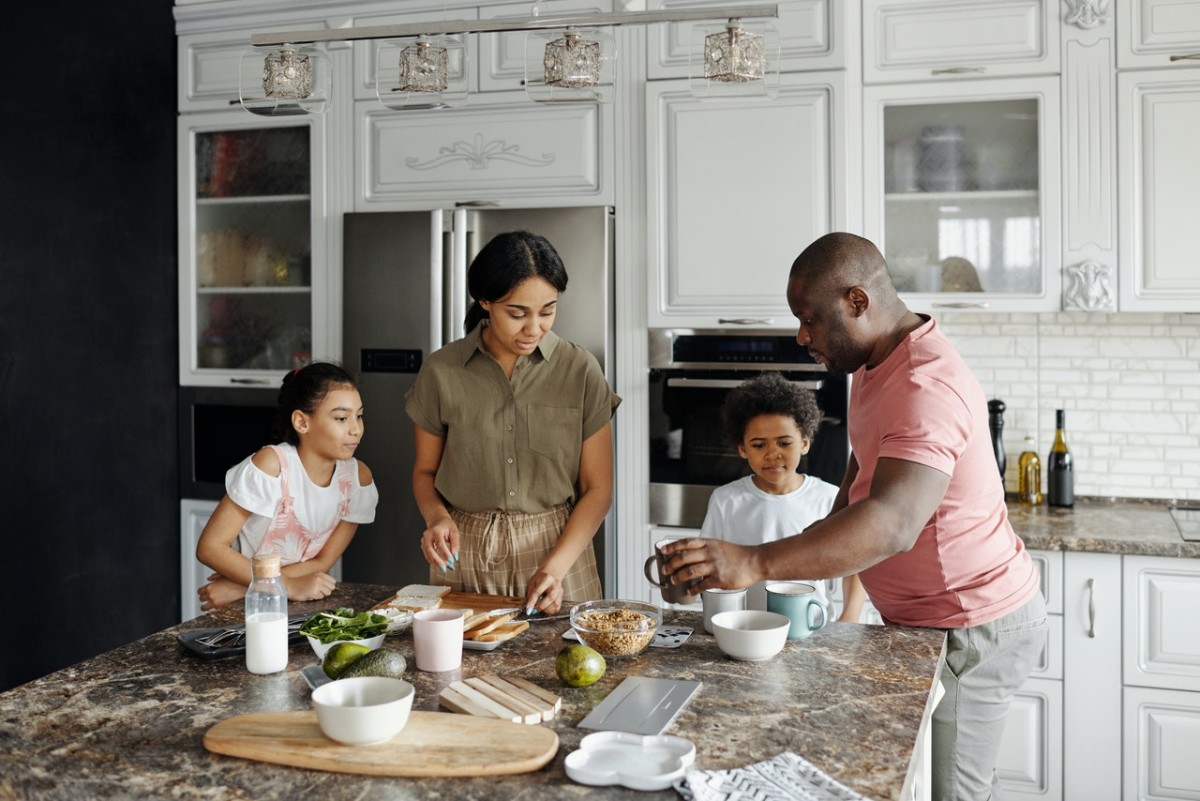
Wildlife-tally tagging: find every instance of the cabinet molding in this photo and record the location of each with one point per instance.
(1089, 287)
(1086, 14)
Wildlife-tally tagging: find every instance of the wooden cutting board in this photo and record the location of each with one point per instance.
(431, 744)
(477, 602)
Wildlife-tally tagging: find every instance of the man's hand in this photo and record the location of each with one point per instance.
(716, 564)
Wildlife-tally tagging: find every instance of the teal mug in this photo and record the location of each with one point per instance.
(798, 601)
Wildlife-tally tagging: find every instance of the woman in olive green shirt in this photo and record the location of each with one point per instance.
(513, 468)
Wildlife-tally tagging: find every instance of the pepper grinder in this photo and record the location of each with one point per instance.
(996, 424)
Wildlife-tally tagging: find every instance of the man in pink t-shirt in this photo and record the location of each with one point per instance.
(920, 514)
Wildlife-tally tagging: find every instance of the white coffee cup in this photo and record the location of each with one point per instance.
(715, 601)
(438, 639)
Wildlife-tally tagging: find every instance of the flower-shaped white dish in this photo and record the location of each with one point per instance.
(639, 762)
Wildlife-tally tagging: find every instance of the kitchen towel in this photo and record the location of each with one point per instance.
(786, 777)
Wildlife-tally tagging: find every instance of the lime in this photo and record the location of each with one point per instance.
(340, 656)
(579, 665)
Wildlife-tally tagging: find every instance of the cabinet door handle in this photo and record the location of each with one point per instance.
(745, 321)
(1091, 586)
(959, 71)
(1186, 57)
(264, 381)
(961, 304)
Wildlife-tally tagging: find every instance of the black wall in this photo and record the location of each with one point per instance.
(88, 336)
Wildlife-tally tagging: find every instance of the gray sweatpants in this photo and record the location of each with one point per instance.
(985, 665)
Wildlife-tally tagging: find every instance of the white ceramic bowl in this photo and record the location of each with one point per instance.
(750, 635)
(364, 709)
(319, 648)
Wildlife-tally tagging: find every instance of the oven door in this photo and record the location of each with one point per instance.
(690, 455)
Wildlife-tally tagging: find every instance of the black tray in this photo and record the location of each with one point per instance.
(188, 639)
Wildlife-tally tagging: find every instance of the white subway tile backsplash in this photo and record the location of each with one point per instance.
(1130, 384)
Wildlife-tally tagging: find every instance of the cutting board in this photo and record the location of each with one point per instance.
(477, 602)
(431, 744)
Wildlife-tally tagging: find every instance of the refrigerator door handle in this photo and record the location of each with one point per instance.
(458, 274)
(437, 260)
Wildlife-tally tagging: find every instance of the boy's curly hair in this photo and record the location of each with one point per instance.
(769, 393)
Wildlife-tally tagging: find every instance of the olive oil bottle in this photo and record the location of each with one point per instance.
(1029, 474)
(1060, 484)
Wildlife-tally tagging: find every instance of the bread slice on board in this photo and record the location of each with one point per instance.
(423, 590)
(415, 603)
(486, 625)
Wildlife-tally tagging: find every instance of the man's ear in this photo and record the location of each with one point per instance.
(858, 299)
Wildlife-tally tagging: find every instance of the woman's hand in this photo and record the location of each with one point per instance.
(218, 592)
(439, 543)
(311, 587)
(544, 592)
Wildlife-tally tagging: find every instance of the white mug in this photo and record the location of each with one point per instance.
(715, 601)
(438, 639)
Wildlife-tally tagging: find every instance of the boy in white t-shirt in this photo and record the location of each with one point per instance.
(773, 422)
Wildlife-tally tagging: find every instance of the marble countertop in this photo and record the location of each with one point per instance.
(129, 723)
(1143, 528)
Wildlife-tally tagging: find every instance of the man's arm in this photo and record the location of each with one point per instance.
(904, 496)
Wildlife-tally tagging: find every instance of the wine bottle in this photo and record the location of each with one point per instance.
(1060, 484)
(1029, 474)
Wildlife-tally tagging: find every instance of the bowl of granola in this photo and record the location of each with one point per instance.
(616, 628)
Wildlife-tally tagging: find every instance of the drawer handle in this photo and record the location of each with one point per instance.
(961, 304)
(959, 71)
(1187, 57)
(745, 321)
(1091, 585)
(262, 381)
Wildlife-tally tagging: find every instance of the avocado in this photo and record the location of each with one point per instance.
(380, 662)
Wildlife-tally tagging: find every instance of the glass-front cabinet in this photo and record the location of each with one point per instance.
(252, 246)
(962, 191)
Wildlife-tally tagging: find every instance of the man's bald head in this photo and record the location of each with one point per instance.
(840, 260)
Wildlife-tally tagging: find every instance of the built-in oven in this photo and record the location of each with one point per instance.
(219, 427)
(691, 372)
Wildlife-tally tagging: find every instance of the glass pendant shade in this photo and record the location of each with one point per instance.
(735, 59)
(426, 72)
(575, 65)
(284, 80)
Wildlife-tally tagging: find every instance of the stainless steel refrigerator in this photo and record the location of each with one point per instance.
(404, 296)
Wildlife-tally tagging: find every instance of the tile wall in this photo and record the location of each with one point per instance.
(1130, 384)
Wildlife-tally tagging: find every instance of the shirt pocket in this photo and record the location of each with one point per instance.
(556, 432)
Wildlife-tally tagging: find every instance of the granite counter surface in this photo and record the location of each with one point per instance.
(130, 722)
(1143, 528)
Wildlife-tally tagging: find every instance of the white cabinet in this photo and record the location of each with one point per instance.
(1030, 763)
(738, 187)
(253, 253)
(1162, 677)
(1162, 729)
(813, 35)
(546, 155)
(962, 191)
(1159, 169)
(193, 516)
(921, 40)
(1158, 33)
(1092, 620)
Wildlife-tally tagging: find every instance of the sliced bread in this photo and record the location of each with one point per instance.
(423, 590)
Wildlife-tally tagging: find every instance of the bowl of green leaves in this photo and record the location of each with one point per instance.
(324, 629)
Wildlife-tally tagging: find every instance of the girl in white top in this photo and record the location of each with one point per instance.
(303, 498)
(772, 422)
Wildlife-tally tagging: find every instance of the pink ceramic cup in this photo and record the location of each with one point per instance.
(438, 639)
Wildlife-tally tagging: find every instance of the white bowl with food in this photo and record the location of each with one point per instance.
(616, 628)
(750, 635)
(363, 710)
(327, 628)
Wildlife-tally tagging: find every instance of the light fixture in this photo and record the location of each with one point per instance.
(426, 72)
(568, 59)
(570, 65)
(289, 80)
(736, 58)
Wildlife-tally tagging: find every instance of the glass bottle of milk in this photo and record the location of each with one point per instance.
(266, 617)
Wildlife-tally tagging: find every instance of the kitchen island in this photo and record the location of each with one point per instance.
(853, 700)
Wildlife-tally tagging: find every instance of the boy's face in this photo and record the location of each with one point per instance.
(773, 445)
